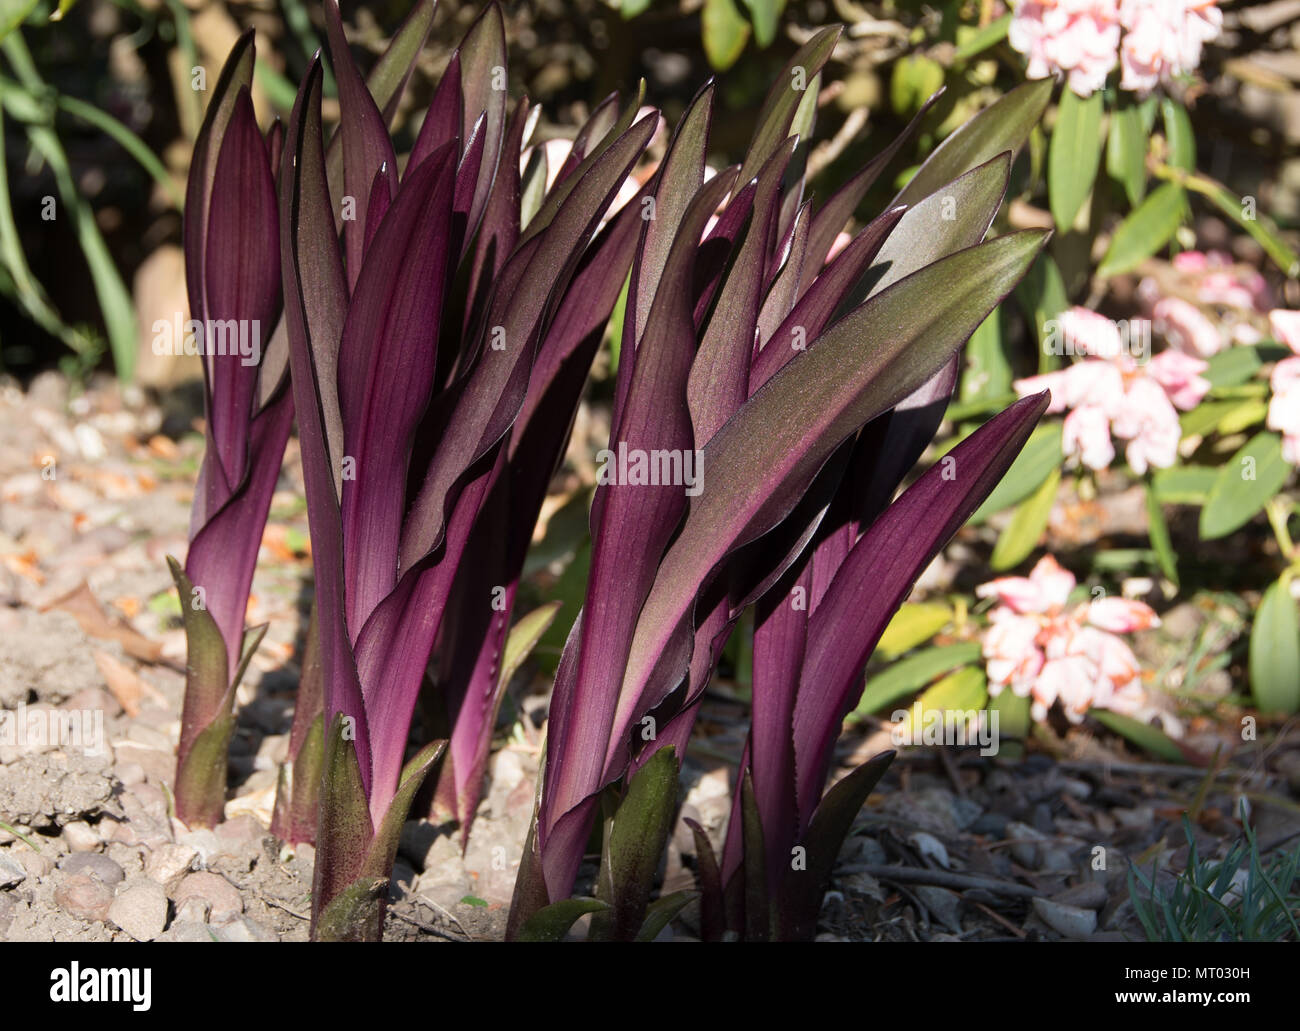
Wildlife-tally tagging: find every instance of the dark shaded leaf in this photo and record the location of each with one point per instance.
(879, 572)
(709, 882)
(396, 305)
(661, 911)
(801, 899)
(315, 311)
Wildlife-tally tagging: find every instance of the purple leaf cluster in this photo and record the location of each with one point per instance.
(232, 266)
(438, 346)
(770, 400)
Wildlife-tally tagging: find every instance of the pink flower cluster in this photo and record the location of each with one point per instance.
(1077, 37)
(1111, 394)
(1163, 39)
(1284, 407)
(1239, 295)
(1081, 38)
(1044, 649)
(1220, 281)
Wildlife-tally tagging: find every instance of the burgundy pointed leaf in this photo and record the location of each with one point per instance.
(315, 311)
(483, 92)
(236, 74)
(677, 181)
(718, 245)
(366, 146)
(773, 447)
(1003, 126)
(787, 93)
(830, 218)
(558, 195)
(494, 390)
(719, 376)
(801, 897)
(223, 555)
(390, 346)
(442, 120)
(499, 231)
(387, 79)
(637, 520)
(784, 291)
(242, 288)
(393, 647)
(897, 548)
(814, 309)
(780, 635)
(709, 882)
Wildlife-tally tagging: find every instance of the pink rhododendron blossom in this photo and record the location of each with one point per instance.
(1077, 37)
(1148, 422)
(1233, 289)
(1086, 436)
(1045, 649)
(1217, 279)
(1086, 332)
(1045, 589)
(1163, 39)
(1286, 327)
(1180, 376)
(1284, 407)
(1120, 615)
(1186, 327)
(1218, 303)
(1118, 397)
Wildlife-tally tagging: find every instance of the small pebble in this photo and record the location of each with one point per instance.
(140, 909)
(930, 847)
(11, 871)
(81, 837)
(235, 835)
(244, 930)
(1025, 847)
(1079, 789)
(96, 865)
(37, 864)
(1054, 859)
(1070, 921)
(169, 863)
(222, 898)
(202, 841)
(129, 773)
(84, 897)
(1089, 895)
(193, 910)
(944, 905)
(188, 931)
(1134, 819)
(990, 824)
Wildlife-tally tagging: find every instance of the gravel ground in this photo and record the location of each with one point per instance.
(95, 488)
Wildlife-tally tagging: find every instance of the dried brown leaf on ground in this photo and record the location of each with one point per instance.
(84, 607)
